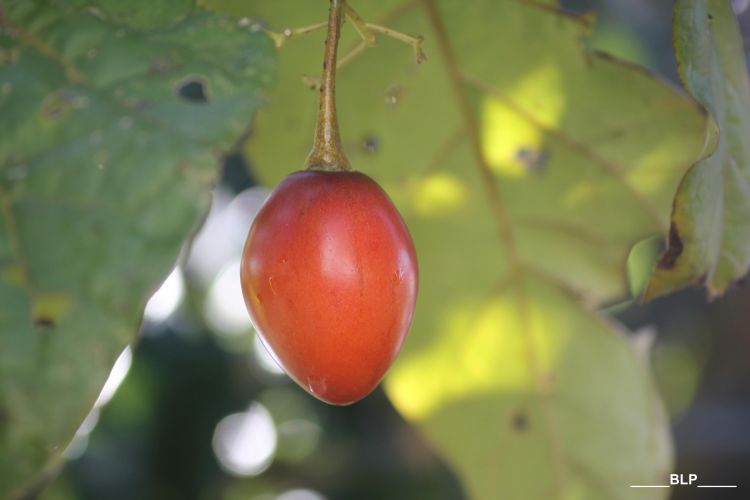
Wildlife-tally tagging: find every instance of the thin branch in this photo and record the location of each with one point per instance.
(367, 32)
(279, 39)
(352, 54)
(368, 40)
(414, 41)
(361, 26)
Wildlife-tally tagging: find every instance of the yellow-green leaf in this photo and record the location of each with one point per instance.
(526, 167)
(709, 239)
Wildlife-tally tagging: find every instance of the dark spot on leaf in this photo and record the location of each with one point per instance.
(56, 104)
(520, 421)
(674, 249)
(44, 322)
(53, 111)
(535, 160)
(311, 82)
(710, 17)
(370, 144)
(193, 90)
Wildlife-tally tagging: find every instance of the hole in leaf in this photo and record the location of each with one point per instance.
(193, 90)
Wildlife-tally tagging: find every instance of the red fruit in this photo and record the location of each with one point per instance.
(329, 275)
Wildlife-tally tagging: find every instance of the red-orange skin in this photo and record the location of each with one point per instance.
(329, 276)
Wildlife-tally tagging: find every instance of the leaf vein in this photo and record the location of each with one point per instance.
(506, 234)
(609, 166)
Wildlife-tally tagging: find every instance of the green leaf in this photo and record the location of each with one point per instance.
(526, 168)
(709, 239)
(104, 170)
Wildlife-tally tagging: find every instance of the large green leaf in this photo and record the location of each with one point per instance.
(526, 167)
(104, 171)
(709, 239)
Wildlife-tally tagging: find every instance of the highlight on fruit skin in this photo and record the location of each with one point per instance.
(329, 276)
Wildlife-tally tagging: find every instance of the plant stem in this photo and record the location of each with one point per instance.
(280, 38)
(414, 41)
(367, 32)
(327, 152)
(360, 25)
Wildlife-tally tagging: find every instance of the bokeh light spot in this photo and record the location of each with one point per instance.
(167, 298)
(80, 441)
(244, 443)
(224, 309)
(116, 376)
(301, 494)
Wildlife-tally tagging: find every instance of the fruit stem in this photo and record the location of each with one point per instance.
(327, 152)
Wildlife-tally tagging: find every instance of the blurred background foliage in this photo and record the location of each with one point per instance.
(198, 411)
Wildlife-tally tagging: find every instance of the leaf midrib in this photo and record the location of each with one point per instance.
(507, 238)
